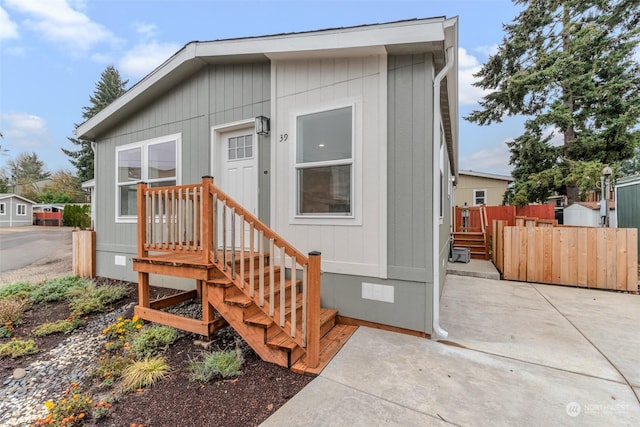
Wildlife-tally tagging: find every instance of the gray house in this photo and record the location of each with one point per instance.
(628, 203)
(15, 211)
(356, 160)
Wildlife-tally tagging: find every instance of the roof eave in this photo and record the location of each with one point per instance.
(394, 37)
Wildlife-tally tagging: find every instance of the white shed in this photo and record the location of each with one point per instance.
(588, 214)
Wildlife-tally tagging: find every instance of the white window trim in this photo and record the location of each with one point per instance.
(356, 167)
(21, 205)
(474, 196)
(177, 137)
(3, 209)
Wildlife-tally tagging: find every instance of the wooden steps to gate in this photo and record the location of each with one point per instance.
(477, 243)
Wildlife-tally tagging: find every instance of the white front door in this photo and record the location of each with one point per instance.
(239, 165)
(238, 177)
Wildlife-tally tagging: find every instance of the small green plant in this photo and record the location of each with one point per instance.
(16, 289)
(123, 328)
(101, 409)
(69, 411)
(109, 368)
(56, 289)
(12, 309)
(65, 326)
(223, 364)
(153, 340)
(16, 348)
(90, 298)
(144, 373)
(6, 330)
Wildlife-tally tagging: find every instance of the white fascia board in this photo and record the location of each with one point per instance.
(326, 40)
(182, 56)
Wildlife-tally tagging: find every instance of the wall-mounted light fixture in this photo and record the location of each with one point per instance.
(262, 125)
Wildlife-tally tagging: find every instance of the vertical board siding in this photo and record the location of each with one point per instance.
(304, 85)
(217, 94)
(409, 158)
(628, 207)
(602, 258)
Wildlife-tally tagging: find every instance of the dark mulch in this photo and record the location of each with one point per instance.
(177, 400)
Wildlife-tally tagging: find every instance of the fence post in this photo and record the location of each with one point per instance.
(313, 310)
(207, 229)
(142, 219)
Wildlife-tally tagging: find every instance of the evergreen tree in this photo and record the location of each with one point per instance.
(567, 65)
(24, 173)
(110, 87)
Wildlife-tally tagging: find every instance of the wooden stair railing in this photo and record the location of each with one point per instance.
(198, 219)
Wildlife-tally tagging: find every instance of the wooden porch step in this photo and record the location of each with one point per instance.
(330, 344)
(258, 319)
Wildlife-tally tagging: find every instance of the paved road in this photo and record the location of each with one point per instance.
(28, 245)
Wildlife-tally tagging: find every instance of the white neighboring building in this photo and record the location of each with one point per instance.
(588, 214)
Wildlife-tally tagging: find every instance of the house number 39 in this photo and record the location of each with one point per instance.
(284, 137)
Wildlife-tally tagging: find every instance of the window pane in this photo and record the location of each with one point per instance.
(324, 190)
(324, 136)
(127, 200)
(232, 153)
(163, 183)
(162, 160)
(129, 165)
(248, 152)
(232, 143)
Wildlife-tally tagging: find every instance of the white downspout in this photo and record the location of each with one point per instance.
(437, 329)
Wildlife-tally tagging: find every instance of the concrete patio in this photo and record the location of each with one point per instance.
(516, 354)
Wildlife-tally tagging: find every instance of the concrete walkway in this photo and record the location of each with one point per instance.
(517, 354)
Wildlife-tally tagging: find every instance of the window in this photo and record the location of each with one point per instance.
(154, 161)
(324, 163)
(2, 209)
(240, 147)
(479, 197)
(21, 209)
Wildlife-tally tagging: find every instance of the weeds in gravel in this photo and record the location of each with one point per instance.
(153, 340)
(90, 298)
(65, 326)
(144, 373)
(223, 364)
(17, 289)
(71, 410)
(12, 309)
(16, 348)
(56, 289)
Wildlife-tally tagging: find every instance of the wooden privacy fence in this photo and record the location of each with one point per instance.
(84, 253)
(601, 258)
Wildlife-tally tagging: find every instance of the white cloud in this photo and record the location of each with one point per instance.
(58, 21)
(557, 137)
(144, 57)
(8, 28)
(468, 64)
(486, 50)
(494, 159)
(23, 132)
(146, 31)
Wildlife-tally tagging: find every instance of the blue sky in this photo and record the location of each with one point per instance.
(53, 51)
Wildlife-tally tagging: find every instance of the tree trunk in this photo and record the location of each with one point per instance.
(569, 134)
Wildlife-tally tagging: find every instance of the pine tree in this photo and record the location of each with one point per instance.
(110, 87)
(567, 65)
